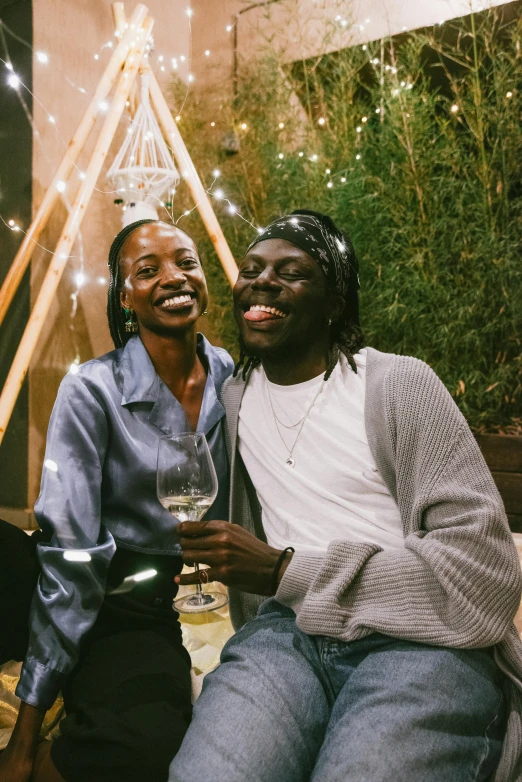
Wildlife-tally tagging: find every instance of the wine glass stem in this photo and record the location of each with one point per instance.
(199, 589)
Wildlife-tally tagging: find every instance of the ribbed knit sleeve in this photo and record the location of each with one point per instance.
(457, 582)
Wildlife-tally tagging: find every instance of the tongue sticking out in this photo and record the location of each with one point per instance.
(260, 315)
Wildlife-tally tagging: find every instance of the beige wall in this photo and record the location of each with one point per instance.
(300, 28)
(71, 33)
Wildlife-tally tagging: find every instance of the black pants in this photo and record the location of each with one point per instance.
(128, 700)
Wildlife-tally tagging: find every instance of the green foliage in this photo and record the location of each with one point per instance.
(431, 195)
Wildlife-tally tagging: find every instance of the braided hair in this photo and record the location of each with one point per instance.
(115, 312)
(346, 336)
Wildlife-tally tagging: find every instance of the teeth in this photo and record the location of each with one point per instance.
(176, 300)
(264, 308)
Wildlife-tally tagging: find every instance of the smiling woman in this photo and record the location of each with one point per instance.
(88, 637)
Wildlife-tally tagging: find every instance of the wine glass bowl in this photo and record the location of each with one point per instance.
(187, 486)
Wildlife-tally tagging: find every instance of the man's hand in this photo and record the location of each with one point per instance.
(234, 556)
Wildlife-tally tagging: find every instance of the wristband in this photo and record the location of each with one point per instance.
(277, 567)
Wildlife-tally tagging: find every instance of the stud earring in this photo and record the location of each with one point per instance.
(329, 321)
(131, 324)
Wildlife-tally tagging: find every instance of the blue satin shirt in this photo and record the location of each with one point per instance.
(98, 491)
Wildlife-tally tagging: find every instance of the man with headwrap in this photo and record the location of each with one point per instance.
(373, 578)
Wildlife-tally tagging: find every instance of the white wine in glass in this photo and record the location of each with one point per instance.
(187, 486)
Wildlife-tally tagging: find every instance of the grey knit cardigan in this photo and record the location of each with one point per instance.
(456, 583)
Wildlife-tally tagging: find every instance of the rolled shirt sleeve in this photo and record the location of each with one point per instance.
(75, 560)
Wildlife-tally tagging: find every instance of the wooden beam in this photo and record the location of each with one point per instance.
(50, 284)
(25, 251)
(189, 173)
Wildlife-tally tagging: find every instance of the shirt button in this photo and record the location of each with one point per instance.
(158, 601)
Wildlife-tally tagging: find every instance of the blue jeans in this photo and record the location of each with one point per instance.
(284, 706)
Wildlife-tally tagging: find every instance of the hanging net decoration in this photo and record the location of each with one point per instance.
(143, 172)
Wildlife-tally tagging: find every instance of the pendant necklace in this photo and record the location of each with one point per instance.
(290, 461)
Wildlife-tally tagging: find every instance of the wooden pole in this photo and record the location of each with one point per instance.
(186, 165)
(188, 171)
(120, 21)
(25, 251)
(52, 278)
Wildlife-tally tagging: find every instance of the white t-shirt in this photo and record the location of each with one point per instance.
(334, 491)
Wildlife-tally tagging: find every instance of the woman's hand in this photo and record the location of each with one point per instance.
(13, 767)
(234, 556)
(17, 759)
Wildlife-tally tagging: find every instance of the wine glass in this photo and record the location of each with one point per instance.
(187, 486)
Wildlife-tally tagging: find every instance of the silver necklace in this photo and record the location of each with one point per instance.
(290, 461)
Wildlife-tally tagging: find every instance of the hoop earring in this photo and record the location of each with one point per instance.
(131, 324)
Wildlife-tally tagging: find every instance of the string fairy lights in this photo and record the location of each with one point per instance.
(398, 87)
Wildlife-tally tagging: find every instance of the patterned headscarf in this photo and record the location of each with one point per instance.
(318, 236)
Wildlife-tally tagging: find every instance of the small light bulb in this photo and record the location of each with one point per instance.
(403, 83)
(216, 172)
(182, 57)
(228, 28)
(281, 125)
(218, 194)
(232, 209)
(321, 120)
(109, 44)
(301, 154)
(314, 158)
(144, 575)
(509, 94)
(343, 179)
(79, 279)
(454, 108)
(72, 555)
(364, 48)
(162, 68)
(160, 58)
(103, 105)
(13, 81)
(330, 184)
(11, 223)
(375, 61)
(357, 157)
(207, 52)
(73, 369)
(358, 129)
(189, 12)
(280, 156)
(187, 213)
(190, 77)
(96, 56)
(327, 170)
(212, 124)
(42, 57)
(52, 119)
(177, 119)
(9, 66)
(244, 126)
(260, 230)
(60, 186)
(102, 280)
(364, 119)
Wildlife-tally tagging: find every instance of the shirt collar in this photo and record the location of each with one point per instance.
(141, 383)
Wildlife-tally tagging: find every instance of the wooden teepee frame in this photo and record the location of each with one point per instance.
(126, 62)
